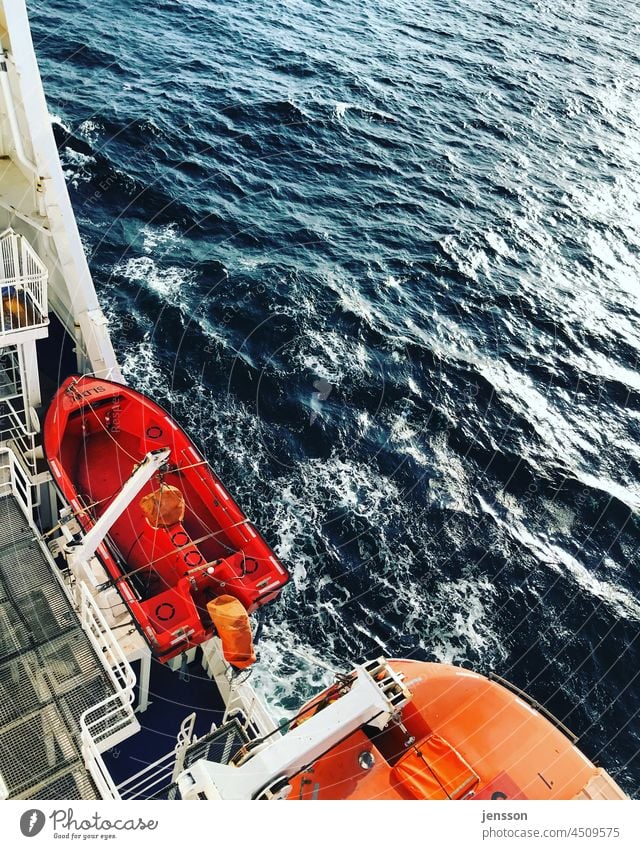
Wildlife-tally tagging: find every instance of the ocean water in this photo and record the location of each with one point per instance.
(383, 261)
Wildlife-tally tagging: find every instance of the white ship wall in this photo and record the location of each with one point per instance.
(34, 199)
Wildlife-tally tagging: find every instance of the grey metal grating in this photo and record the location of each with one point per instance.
(13, 525)
(69, 661)
(74, 704)
(24, 568)
(49, 672)
(118, 719)
(23, 690)
(35, 749)
(75, 783)
(47, 611)
(14, 636)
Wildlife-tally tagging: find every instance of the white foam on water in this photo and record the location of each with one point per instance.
(562, 516)
(628, 494)
(459, 621)
(557, 431)
(290, 528)
(600, 366)
(290, 671)
(413, 386)
(498, 244)
(351, 299)
(470, 260)
(361, 355)
(454, 625)
(76, 166)
(601, 248)
(56, 119)
(392, 282)
(324, 354)
(364, 421)
(329, 355)
(623, 603)
(159, 236)
(169, 282)
(141, 368)
(405, 440)
(90, 130)
(450, 490)
(520, 393)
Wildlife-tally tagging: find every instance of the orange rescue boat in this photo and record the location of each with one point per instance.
(459, 736)
(183, 542)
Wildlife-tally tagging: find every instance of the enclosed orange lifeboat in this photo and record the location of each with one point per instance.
(461, 736)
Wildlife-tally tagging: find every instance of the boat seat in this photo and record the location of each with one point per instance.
(187, 555)
(171, 609)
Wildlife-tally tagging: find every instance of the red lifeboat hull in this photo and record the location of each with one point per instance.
(95, 433)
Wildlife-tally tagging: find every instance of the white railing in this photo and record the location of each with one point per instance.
(162, 772)
(113, 719)
(149, 780)
(23, 285)
(14, 481)
(13, 429)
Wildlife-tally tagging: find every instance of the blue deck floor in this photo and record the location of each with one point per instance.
(172, 698)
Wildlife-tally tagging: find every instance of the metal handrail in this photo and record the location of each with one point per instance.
(529, 700)
(18, 432)
(155, 775)
(100, 722)
(19, 483)
(23, 285)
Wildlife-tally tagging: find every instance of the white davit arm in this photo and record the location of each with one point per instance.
(143, 473)
(376, 695)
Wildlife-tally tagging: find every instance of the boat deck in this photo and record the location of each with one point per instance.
(49, 672)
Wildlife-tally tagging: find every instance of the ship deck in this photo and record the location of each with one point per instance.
(49, 671)
(173, 697)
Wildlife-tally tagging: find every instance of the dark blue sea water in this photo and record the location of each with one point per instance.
(383, 260)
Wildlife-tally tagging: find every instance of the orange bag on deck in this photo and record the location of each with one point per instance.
(163, 507)
(232, 624)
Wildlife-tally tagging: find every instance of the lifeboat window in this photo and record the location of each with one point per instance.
(165, 611)
(180, 538)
